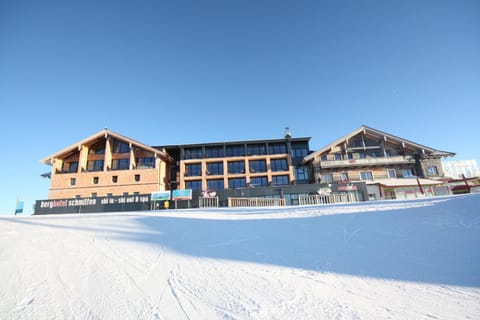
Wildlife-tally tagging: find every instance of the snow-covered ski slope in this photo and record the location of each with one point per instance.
(376, 260)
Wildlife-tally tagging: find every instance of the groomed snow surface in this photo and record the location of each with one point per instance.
(416, 259)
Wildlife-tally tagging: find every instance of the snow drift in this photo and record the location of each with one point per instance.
(388, 259)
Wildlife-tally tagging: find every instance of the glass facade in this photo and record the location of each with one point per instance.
(299, 151)
(257, 166)
(215, 184)
(301, 174)
(236, 167)
(256, 149)
(258, 181)
(214, 152)
(193, 170)
(194, 185)
(279, 180)
(278, 165)
(237, 183)
(215, 168)
(193, 153)
(236, 150)
(277, 148)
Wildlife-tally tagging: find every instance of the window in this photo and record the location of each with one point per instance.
(214, 152)
(73, 181)
(277, 148)
(357, 143)
(323, 158)
(193, 170)
(95, 165)
(236, 167)
(120, 164)
(109, 194)
(114, 179)
(137, 177)
(391, 174)
(301, 174)
(361, 155)
(407, 173)
(257, 166)
(120, 147)
(338, 156)
(256, 149)
(236, 150)
(94, 194)
(299, 151)
(136, 193)
(215, 168)
(148, 162)
(125, 194)
(279, 180)
(258, 181)
(326, 178)
(70, 167)
(98, 148)
(95, 180)
(344, 176)
(366, 175)
(194, 153)
(194, 185)
(432, 171)
(278, 165)
(77, 196)
(237, 183)
(215, 184)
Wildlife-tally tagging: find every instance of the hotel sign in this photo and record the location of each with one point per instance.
(94, 204)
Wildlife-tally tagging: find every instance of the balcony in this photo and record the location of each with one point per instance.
(367, 162)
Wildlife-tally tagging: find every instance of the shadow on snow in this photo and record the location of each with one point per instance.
(437, 243)
(423, 244)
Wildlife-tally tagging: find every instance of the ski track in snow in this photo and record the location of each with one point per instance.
(78, 267)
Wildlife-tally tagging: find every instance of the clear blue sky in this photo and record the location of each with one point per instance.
(174, 72)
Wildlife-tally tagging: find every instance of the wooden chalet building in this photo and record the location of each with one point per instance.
(392, 167)
(107, 164)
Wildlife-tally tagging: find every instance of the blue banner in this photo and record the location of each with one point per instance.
(160, 196)
(182, 194)
(19, 208)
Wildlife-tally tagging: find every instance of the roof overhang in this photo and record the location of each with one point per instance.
(381, 135)
(103, 135)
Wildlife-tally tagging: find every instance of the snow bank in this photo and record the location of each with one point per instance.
(387, 259)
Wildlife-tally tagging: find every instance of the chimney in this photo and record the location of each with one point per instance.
(287, 133)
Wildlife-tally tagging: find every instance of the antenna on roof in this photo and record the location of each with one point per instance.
(288, 135)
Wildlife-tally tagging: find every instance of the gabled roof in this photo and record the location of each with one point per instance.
(102, 135)
(380, 134)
